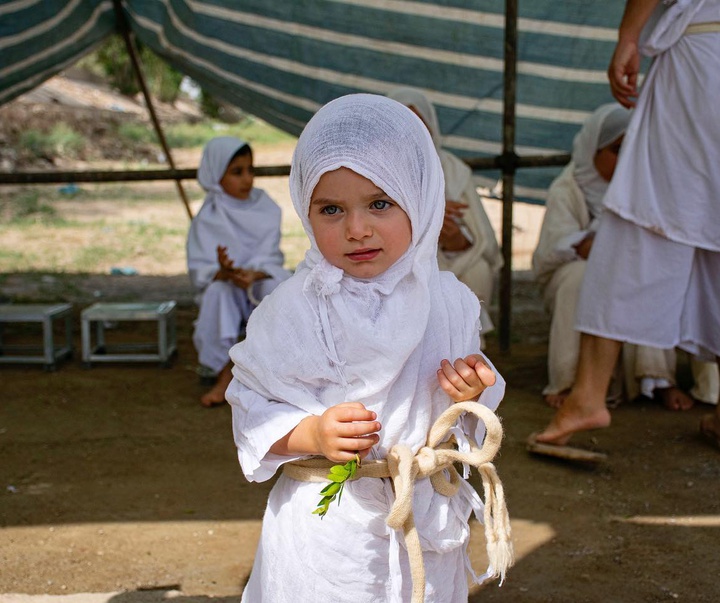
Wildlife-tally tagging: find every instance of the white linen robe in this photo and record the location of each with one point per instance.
(663, 215)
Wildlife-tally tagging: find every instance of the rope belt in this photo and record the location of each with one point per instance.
(436, 462)
(697, 28)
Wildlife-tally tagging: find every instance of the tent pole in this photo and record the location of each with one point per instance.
(132, 51)
(508, 164)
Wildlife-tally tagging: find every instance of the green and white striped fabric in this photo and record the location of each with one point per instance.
(283, 59)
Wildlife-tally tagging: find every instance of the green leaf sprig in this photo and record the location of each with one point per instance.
(339, 474)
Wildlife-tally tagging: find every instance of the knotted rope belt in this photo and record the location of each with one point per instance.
(436, 462)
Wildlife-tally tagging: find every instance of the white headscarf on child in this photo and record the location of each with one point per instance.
(457, 172)
(324, 337)
(606, 124)
(247, 227)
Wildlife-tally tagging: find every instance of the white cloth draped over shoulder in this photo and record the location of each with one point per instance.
(674, 193)
(249, 228)
(322, 338)
(478, 265)
(575, 198)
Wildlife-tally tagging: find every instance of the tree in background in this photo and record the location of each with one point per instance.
(114, 62)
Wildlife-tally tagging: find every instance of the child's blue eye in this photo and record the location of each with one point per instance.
(330, 210)
(381, 204)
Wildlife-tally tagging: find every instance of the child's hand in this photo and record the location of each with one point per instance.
(345, 430)
(466, 378)
(223, 259)
(227, 267)
(242, 278)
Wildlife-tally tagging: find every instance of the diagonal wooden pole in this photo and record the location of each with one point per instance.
(132, 51)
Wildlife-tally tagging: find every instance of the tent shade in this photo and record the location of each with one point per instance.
(283, 60)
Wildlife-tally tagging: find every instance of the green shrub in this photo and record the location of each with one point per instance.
(61, 140)
(66, 141)
(137, 133)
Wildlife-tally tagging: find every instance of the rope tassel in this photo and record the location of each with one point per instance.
(497, 523)
(436, 461)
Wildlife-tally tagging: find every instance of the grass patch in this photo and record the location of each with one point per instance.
(60, 140)
(26, 207)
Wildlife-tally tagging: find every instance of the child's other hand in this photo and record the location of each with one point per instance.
(226, 265)
(223, 259)
(242, 278)
(345, 430)
(466, 378)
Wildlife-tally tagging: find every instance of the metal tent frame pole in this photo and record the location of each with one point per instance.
(132, 51)
(508, 162)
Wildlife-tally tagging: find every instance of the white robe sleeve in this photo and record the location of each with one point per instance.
(267, 256)
(491, 398)
(257, 424)
(566, 222)
(201, 257)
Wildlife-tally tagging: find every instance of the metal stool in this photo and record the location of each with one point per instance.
(101, 314)
(50, 353)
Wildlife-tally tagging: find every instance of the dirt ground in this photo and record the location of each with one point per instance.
(116, 485)
(115, 481)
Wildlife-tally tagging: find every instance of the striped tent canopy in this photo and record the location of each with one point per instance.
(281, 60)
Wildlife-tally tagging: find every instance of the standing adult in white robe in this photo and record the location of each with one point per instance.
(572, 212)
(663, 209)
(467, 246)
(325, 337)
(249, 230)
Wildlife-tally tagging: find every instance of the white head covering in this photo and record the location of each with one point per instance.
(324, 337)
(215, 159)
(457, 173)
(606, 124)
(249, 228)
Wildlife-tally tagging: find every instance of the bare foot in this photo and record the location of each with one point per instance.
(674, 398)
(710, 427)
(570, 419)
(556, 400)
(216, 395)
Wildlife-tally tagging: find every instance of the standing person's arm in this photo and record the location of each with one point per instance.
(625, 63)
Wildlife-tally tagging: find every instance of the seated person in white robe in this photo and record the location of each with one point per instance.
(467, 246)
(233, 255)
(573, 207)
(358, 354)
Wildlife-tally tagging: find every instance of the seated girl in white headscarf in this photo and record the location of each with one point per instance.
(233, 254)
(467, 246)
(356, 356)
(574, 205)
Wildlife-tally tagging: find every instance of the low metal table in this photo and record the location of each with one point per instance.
(46, 314)
(97, 317)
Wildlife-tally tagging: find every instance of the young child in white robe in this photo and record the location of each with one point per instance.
(574, 205)
(233, 254)
(359, 353)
